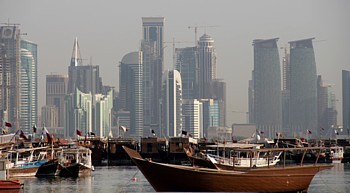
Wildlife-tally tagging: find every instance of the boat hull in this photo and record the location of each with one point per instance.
(74, 170)
(10, 184)
(175, 178)
(49, 168)
(23, 172)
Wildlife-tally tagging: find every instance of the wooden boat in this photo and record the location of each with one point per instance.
(10, 185)
(24, 163)
(177, 178)
(336, 154)
(75, 162)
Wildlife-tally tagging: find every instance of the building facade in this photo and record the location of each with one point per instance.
(267, 86)
(206, 65)
(187, 65)
(152, 50)
(56, 90)
(171, 104)
(192, 117)
(303, 87)
(130, 94)
(10, 57)
(346, 99)
(28, 86)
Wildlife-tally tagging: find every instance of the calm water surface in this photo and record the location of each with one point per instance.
(129, 179)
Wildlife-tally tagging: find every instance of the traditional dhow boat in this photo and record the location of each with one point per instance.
(75, 162)
(177, 178)
(23, 162)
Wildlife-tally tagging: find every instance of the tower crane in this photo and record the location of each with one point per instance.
(195, 27)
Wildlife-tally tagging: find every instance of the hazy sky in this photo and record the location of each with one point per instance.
(107, 30)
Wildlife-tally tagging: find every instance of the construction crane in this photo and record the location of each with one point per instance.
(173, 42)
(195, 27)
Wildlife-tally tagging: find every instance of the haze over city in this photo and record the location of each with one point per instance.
(108, 30)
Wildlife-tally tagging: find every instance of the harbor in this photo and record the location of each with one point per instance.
(130, 179)
(81, 160)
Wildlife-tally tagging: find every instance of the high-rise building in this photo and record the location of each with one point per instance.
(171, 104)
(206, 65)
(78, 113)
(267, 86)
(286, 93)
(152, 50)
(84, 77)
(56, 90)
(192, 117)
(218, 93)
(28, 86)
(130, 94)
(303, 87)
(211, 114)
(346, 99)
(10, 57)
(186, 64)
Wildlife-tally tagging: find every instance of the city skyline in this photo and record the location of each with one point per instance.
(237, 24)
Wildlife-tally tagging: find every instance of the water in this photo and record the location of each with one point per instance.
(129, 179)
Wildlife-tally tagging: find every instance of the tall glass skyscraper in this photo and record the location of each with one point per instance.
(346, 100)
(186, 64)
(267, 86)
(10, 57)
(29, 85)
(206, 66)
(171, 104)
(303, 87)
(152, 50)
(130, 92)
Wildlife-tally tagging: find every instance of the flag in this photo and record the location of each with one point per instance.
(34, 128)
(261, 132)
(322, 129)
(183, 132)
(123, 128)
(7, 124)
(190, 135)
(336, 132)
(48, 135)
(23, 136)
(79, 133)
(308, 132)
(92, 134)
(153, 133)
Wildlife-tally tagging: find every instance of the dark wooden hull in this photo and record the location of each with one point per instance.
(49, 168)
(175, 178)
(74, 170)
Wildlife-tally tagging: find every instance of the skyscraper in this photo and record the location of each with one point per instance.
(29, 82)
(56, 90)
(206, 66)
(171, 103)
(152, 51)
(192, 117)
(10, 72)
(267, 86)
(130, 93)
(303, 87)
(346, 99)
(84, 77)
(186, 64)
